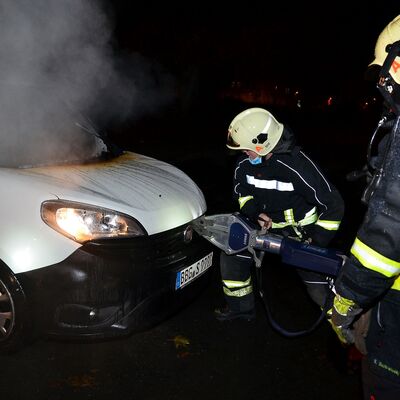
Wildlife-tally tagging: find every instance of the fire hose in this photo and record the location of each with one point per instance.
(233, 233)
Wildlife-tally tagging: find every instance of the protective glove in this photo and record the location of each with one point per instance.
(341, 317)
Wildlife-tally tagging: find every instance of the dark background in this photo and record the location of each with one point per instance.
(305, 63)
(319, 51)
(318, 47)
(215, 65)
(275, 56)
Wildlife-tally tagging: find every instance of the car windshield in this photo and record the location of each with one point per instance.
(38, 128)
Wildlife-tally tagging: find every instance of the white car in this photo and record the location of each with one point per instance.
(97, 249)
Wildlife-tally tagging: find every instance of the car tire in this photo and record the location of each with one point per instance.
(13, 321)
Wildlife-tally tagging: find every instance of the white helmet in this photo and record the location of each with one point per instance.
(254, 129)
(389, 35)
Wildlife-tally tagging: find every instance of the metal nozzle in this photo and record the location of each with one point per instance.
(268, 242)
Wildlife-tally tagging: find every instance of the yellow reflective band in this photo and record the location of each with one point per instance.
(236, 284)
(373, 260)
(311, 212)
(280, 225)
(396, 284)
(238, 293)
(328, 225)
(244, 200)
(342, 305)
(310, 217)
(289, 217)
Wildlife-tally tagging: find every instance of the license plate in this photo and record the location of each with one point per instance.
(192, 272)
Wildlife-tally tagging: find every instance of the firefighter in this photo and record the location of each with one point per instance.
(279, 187)
(366, 308)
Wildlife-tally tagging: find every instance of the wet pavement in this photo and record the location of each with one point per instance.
(191, 355)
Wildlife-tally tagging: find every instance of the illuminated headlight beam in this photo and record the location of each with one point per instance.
(84, 222)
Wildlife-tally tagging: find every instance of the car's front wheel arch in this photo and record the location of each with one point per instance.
(14, 320)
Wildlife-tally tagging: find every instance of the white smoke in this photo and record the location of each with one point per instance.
(56, 61)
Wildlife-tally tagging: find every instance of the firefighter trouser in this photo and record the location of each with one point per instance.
(377, 387)
(317, 286)
(381, 367)
(236, 280)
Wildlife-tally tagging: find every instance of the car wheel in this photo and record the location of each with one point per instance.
(12, 321)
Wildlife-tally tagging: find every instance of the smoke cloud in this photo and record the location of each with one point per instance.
(57, 68)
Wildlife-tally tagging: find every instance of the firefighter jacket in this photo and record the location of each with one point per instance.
(371, 276)
(293, 192)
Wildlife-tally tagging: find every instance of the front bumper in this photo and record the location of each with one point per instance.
(114, 287)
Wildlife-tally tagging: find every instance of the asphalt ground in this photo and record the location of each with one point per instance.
(191, 355)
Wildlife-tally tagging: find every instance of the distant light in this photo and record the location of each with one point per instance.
(365, 105)
(330, 101)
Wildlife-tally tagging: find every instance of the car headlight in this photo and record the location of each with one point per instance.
(84, 222)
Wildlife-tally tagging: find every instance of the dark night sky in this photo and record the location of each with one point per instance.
(325, 46)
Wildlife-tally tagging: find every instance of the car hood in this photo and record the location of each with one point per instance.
(157, 194)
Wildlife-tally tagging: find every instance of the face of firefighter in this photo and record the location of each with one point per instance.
(253, 155)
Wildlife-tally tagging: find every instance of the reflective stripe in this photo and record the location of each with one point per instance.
(245, 287)
(280, 225)
(244, 200)
(373, 260)
(289, 217)
(310, 217)
(238, 293)
(328, 225)
(270, 184)
(396, 284)
(342, 305)
(311, 212)
(236, 284)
